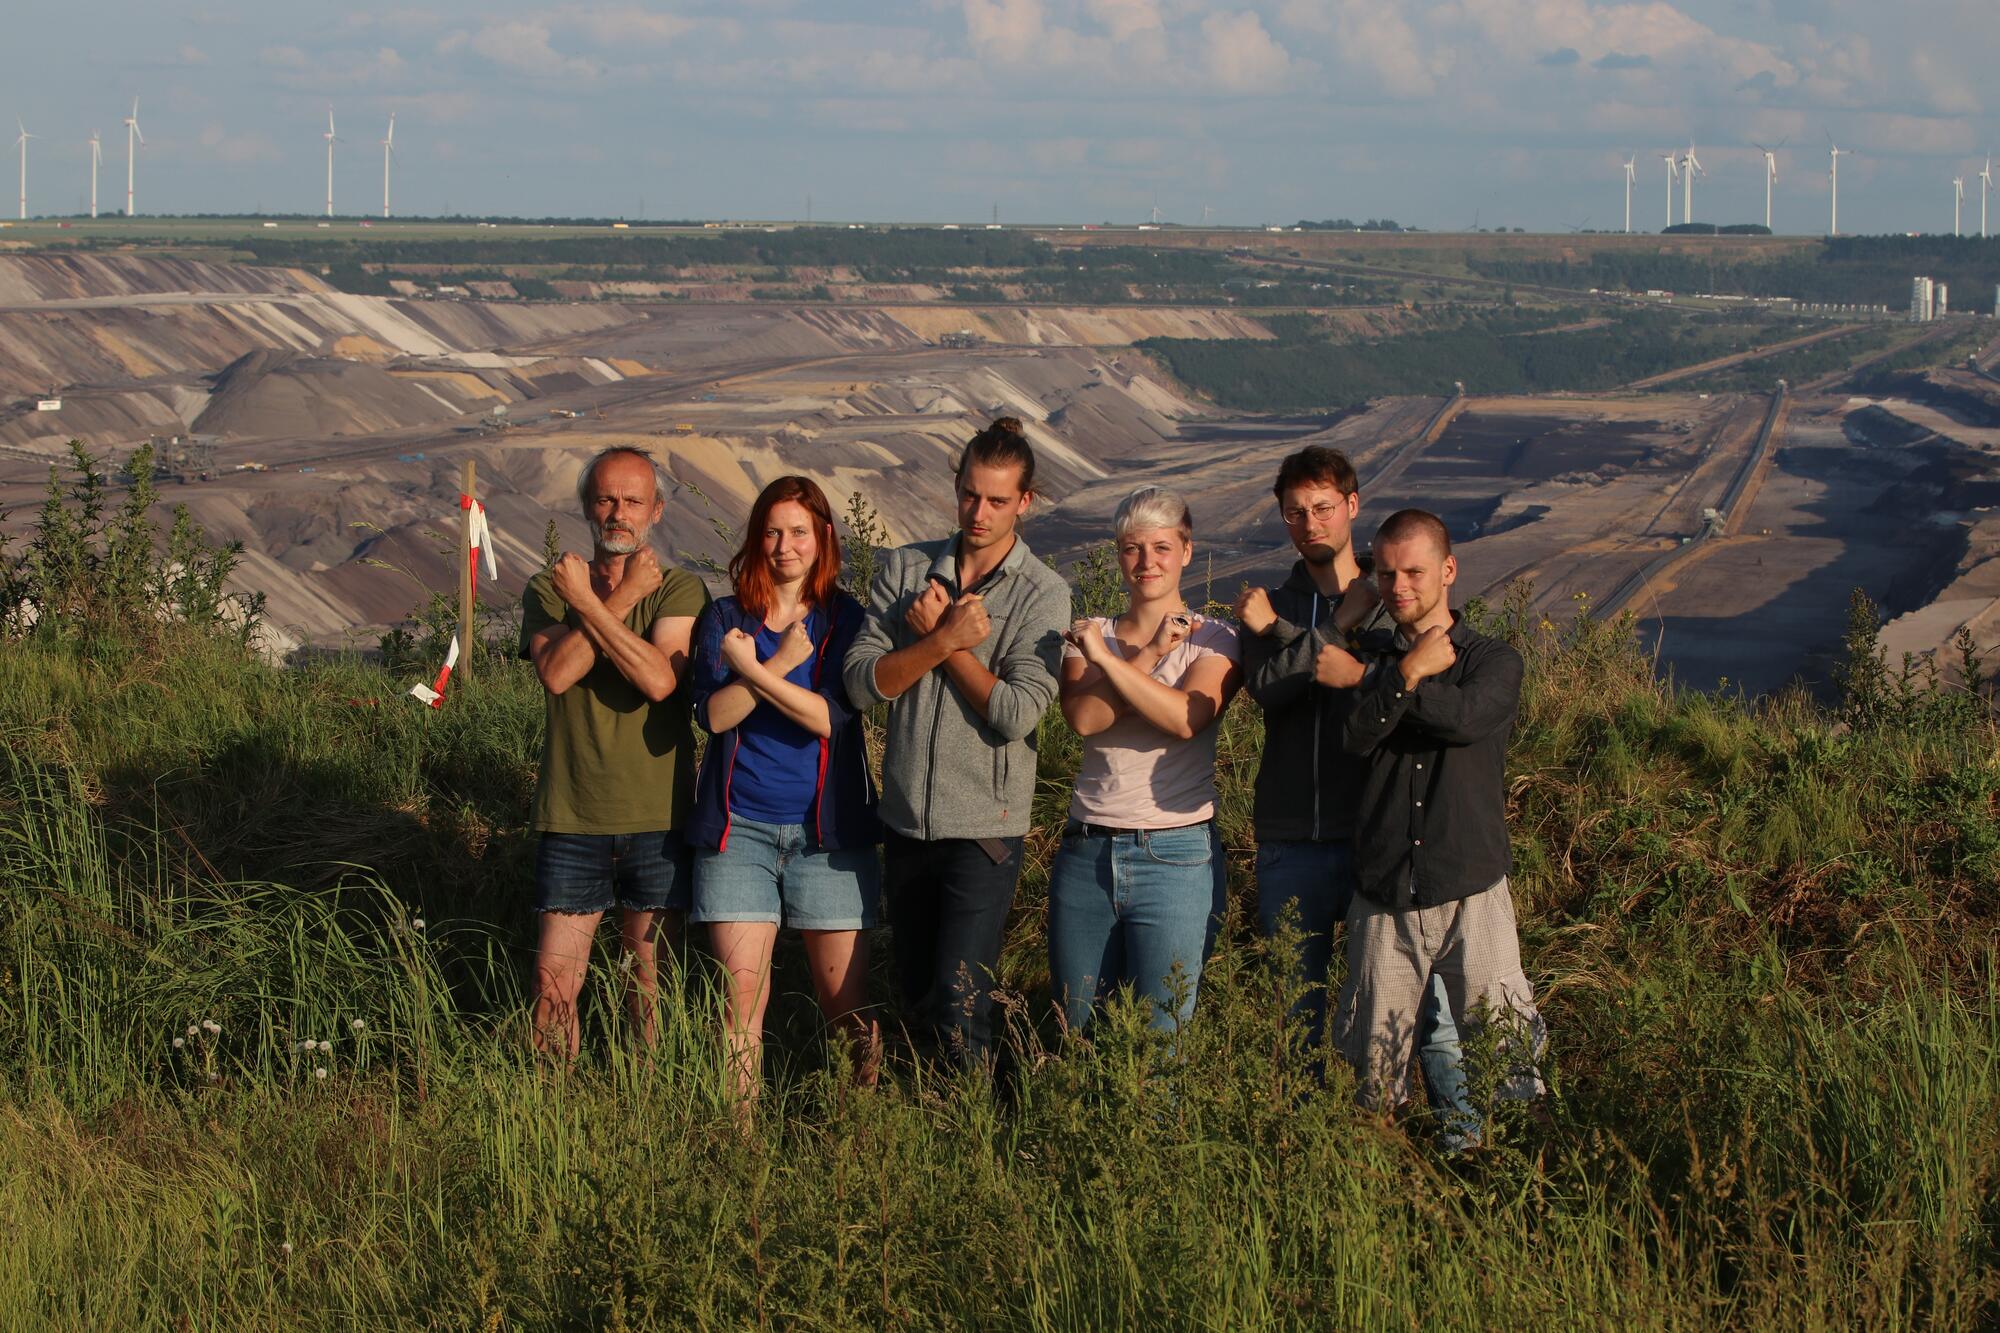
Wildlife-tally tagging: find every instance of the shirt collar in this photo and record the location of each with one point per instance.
(1457, 634)
(945, 568)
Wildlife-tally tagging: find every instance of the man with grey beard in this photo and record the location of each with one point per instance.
(609, 640)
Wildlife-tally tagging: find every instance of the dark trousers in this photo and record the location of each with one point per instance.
(948, 903)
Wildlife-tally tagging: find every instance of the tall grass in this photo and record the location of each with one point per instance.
(1763, 935)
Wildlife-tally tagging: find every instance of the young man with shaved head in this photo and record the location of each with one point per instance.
(609, 640)
(1431, 715)
(1308, 786)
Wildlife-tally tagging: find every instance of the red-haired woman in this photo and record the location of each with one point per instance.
(784, 826)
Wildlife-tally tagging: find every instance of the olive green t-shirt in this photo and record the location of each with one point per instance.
(613, 762)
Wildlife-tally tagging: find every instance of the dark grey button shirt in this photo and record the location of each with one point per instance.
(1432, 822)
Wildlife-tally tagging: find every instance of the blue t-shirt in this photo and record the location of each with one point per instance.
(777, 760)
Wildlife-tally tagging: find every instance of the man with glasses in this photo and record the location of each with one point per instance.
(1297, 668)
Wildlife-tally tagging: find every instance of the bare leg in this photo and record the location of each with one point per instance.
(562, 956)
(642, 934)
(744, 950)
(839, 963)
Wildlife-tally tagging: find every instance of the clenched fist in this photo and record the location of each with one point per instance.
(1084, 636)
(927, 609)
(1172, 633)
(795, 649)
(1356, 604)
(570, 577)
(1254, 610)
(966, 624)
(1336, 668)
(642, 576)
(739, 650)
(1430, 654)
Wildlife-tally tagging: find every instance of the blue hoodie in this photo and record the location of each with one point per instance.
(843, 808)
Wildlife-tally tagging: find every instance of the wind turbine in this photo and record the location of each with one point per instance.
(1957, 203)
(96, 161)
(132, 136)
(1833, 178)
(388, 147)
(1985, 183)
(1631, 174)
(1770, 177)
(1673, 162)
(1689, 166)
(22, 144)
(330, 141)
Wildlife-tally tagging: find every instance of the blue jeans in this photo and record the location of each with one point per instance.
(588, 873)
(773, 873)
(1319, 877)
(1131, 907)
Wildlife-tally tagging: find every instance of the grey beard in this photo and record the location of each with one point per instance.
(621, 542)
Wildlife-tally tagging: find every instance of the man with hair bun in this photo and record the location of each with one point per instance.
(962, 641)
(1431, 715)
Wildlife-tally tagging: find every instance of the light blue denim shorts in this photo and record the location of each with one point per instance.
(771, 872)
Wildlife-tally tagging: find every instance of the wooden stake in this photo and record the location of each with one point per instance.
(465, 595)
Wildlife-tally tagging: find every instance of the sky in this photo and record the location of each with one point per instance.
(1437, 113)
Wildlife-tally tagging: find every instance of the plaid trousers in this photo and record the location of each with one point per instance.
(1391, 956)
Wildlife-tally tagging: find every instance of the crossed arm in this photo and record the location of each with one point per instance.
(654, 662)
(1099, 689)
(759, 682)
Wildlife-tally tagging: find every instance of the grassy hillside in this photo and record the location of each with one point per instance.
(1764, 936)
(1495, 350)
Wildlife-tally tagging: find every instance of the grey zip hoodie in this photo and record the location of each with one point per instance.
(947, 772)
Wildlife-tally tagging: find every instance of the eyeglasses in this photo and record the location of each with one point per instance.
(1319, 513)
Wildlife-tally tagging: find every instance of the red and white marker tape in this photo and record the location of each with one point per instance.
(482, 554)
(433, 694)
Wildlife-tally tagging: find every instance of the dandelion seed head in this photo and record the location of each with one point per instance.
(326, 1048)
(194, 1029)
(179, 1042)
(285, 1248)
(418, 924)
(358, 1026)
(210, 1026)
(308, 1044)
(320, 1072)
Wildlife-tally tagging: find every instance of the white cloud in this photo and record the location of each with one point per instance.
(1241, 56)
(1010, 31)
(1127, 19)
(618, 27)
(522, 45)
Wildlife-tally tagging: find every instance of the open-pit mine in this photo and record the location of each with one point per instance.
(324, 431)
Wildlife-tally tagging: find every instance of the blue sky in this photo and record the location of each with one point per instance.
(1429, 111)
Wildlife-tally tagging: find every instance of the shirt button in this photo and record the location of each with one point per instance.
(1418, 843)
(1419, 765)
(1420, 805)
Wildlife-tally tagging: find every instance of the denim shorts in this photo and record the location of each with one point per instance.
(594, 872)
(770, 872)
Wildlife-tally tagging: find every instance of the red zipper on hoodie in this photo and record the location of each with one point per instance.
(819, 781)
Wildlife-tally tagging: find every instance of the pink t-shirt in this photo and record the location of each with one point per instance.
(1134, 775)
